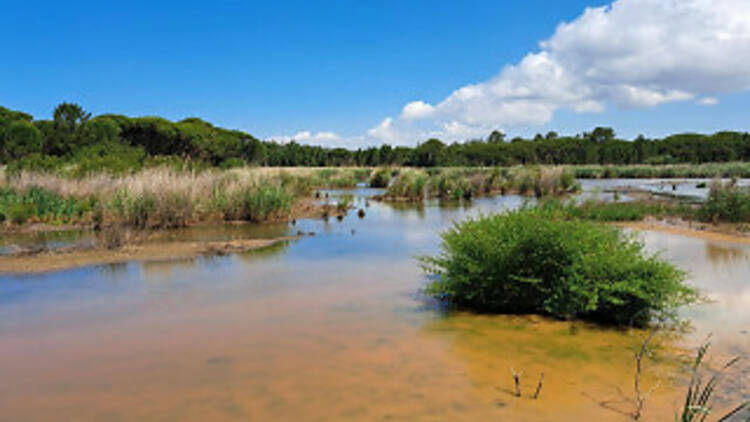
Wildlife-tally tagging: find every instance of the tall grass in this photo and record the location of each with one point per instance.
(155, 198)
(698, 403)
(534, 260)
(707, 170)
(621, 211)
(467, 183)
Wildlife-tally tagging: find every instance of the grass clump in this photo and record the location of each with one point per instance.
(726, 202)
(409, 184)
(40, 205)
(534, 261)
(467, 183)
(623, 211)
(641, 171)
(381, 178)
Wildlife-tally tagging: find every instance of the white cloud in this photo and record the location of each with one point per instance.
(708, 101)
(631, 54)
(417, 110)
(306, 136)
(385, 132)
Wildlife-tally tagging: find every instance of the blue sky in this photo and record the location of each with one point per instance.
(341, 68)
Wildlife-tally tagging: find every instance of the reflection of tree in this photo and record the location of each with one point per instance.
(160, 270)
(726, 255)
(407, 207)
(264, 253)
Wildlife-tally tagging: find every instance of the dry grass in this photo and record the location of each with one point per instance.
(162, 197)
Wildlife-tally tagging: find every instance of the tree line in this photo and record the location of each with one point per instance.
(119, 142)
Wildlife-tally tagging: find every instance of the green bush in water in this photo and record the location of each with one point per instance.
(534, 261)
(728, 203)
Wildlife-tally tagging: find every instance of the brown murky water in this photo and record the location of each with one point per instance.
(330, 328)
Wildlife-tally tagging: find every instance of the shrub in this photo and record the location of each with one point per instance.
(726, 202)
(533, 261)
(380, 178)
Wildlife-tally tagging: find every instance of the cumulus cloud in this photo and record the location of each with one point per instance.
(385, 131)
(417, 110)
(630, 54)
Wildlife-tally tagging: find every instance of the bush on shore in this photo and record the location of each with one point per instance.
(726, 202)
(533, 261)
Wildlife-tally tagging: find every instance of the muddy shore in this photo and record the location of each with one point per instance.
(163, 251)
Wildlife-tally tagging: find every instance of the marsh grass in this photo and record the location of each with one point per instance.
(155, 198)
(726, 202)
(381, 177)
(468, 183)
(707, 170)
(698, 403)
(622, 211)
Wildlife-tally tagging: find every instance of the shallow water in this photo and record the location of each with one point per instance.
(691, 189)
(329, 328)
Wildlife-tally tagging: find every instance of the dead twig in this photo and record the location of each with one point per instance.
(539, 387)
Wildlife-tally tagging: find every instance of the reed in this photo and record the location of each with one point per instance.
(154, 198)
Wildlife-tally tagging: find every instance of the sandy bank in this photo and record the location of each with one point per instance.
(64, 260)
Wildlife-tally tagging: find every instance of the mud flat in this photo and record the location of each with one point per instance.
(165, 251)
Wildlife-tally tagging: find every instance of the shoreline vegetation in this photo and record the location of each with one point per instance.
(163, 198)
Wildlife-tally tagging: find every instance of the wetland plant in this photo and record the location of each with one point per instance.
(699, 397)
(381, 178)
(536, 261)
(726, 202)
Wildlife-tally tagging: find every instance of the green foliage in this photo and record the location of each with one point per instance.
(708, 170)
(381, 178)
(41, 205)
(726, 202)
(263, 202)
(193, 139)
(534, 261)
(699, 398)
(20, 139)
(409, 184)
(467, 183)
(106, 157)
(622, 211)
(232, 162)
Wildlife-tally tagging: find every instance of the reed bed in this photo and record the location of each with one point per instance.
(687, 171)
(154, 198)
(467, 183)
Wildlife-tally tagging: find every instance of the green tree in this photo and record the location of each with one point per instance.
(19, 139)
(67, 120)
